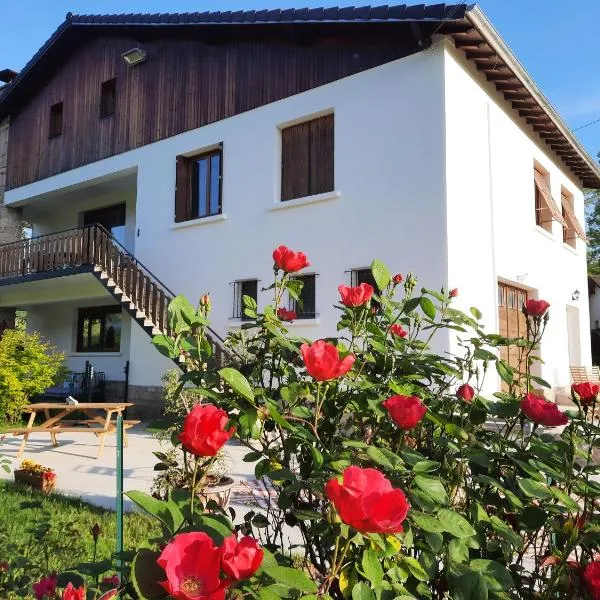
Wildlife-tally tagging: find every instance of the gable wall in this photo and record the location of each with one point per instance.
(184, 84)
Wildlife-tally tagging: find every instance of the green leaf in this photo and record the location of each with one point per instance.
(467, 584)
(535, 489)
(426, 522)
(213, 526)
(427, 307)
(381, 275)
(505, 371)
(268, 594)
(372, 567)
(385, 458)
(416, 568)
(564, 498)
(238, 383)
(433, 488)
(166, 346)
(497, 576)
(481, 354)
(145, 575)
(476, 312)
(458, 551)
(361, 591)
(169, 515)
(291, 578)
(455, 524)
(426, 466)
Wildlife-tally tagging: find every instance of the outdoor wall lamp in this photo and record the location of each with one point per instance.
(575, 295)
(135, 56)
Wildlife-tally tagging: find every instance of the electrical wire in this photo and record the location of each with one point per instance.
(586, 125)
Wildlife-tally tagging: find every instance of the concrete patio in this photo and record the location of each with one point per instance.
(81, 474)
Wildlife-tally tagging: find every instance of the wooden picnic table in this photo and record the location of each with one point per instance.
(99, 422)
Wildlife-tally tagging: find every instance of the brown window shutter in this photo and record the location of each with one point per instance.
(295, 161)
(182, 190)
(321, 175)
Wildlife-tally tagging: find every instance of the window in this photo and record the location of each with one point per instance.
(307, 158)
(108, 98)
(306, 306)
(56, 120)
(99, 329)
(198, 186)
(248, 287)
(363, 276)
(546, 209)
(569, 224)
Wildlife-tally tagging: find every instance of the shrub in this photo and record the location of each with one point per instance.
(28, 366)
(394, 476)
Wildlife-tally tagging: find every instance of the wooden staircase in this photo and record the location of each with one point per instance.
(93, 249)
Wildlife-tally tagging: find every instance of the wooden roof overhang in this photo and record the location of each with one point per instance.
(476, 37)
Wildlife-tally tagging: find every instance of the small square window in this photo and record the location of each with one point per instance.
(363, 276)
(247, 287)
(198, 189)
(108, 98)
(56, 120)
(306, 306)
(99, 329)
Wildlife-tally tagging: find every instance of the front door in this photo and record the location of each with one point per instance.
(512, 321)
(573, 333)
(111, 218)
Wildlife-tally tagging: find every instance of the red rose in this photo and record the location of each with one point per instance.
(322, 361)
(397, 278)
(45, 587)
(367, 501)
(204, 432)
(587, 391)
(240, 559)
(72, 593)
(542, 411)
(355, 296)
(453, 293)
(536, 308)
(405, 411)
(398, 330)
(48, 475)
(289, 261)
(114, 581)
(286, 315)
(591, 576)
(465, 392)
(192, 564)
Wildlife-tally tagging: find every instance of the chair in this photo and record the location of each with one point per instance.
(582, 374)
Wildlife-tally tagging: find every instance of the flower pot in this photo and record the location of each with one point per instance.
(220, 492)
(46, 484)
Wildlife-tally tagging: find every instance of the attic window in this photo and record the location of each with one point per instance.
(56, 120)
(108, 97)
(135, 56)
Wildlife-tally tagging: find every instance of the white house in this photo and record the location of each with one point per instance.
(203, 141)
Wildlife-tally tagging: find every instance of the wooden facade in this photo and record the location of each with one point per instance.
(186, 82)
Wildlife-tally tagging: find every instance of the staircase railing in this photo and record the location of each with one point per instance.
(92, 245)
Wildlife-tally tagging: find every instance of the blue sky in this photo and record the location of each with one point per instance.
(548, 37)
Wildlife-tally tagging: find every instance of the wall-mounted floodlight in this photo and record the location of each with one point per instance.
(135, 56)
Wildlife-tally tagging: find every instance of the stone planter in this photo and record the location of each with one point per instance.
(219, 492)
(39, 482)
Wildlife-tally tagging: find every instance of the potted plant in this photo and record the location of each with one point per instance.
(36, 476)
(174, 472)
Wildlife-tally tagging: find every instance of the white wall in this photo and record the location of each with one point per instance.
(491, 214)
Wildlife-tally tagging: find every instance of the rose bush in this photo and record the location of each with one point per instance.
(393, 475)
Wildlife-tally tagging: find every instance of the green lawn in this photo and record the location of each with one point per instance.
(53, 532)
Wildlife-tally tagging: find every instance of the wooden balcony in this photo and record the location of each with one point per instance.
(90, 249)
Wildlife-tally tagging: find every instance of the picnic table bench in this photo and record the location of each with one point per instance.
(99, 424)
